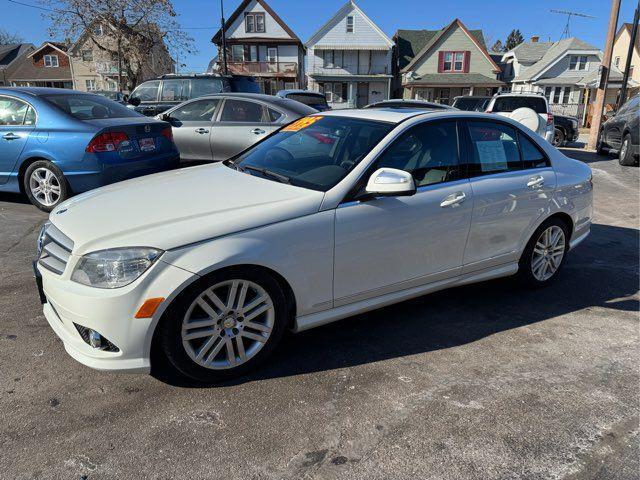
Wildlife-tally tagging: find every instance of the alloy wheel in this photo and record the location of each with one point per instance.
(624, 148)
(548, 253)
(45, 186)
(228, 324)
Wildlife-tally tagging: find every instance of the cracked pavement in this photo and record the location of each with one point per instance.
(481, 382)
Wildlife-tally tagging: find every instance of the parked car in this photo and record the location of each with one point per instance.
(336, 214)
(619, 134)
(217, 127)
(115, 96)
(471, 103)
(400, 103)
(530, 109)
(313, 99)
(156, 96)
(566, 129)
(56, 142)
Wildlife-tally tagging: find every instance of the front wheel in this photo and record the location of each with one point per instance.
(625, 157)
(225, 325)
(600, 149)
(45, 185)
(544, 254)
(558, 138)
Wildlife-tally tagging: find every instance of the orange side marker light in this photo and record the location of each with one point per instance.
(149, 307)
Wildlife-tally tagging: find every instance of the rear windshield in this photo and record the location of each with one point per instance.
(307, 99)
(90, 107)
(244, 85)
(470, 104)
(509, 104)
(314, 152)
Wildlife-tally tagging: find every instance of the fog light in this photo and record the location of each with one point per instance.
(95, 339)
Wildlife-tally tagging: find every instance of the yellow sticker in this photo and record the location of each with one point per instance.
(301, 123)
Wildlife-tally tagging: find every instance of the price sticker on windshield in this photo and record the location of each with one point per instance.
(301, 124)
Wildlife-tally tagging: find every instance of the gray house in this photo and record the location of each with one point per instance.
(9, 56)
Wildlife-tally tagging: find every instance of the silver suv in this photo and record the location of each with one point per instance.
(530, 109)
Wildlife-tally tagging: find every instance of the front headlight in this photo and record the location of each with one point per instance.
(41, 236)
(114, 268)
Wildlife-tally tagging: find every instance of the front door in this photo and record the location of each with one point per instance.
(192, 124)
(241, 123)
(17, 121)
(512, 183)
(389, 244)
(363, 94)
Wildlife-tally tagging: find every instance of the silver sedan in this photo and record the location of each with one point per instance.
(218, 127)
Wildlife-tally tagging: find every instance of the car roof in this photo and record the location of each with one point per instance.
(285, 103)
(411, 103)
(473, 96)
(393, 115)
(305, 92)
(36, 91)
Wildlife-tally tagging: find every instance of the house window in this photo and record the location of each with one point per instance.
(237, 53)
(556, 94)
(87, 56)
(453, 61)
(51, 61)
(578, 62)
(90, 84)
(350, 24)
(566, 97)
(328, 59)
(253, 53)
(254, 22)
(548, 91)
(335, 92)
(272, 55)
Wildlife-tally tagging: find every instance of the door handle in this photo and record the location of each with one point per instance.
(536, 182)
(257, 131)
(11, 136)
(453, 199)
(202, 131)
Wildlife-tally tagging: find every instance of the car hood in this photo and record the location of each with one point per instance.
(179, 207)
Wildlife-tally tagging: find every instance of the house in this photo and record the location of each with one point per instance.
(9, 56)
(261, 44)
(566, 72)
(349, 60)
(620, 52)
(46, 66)
(95, 68)
(439, 65)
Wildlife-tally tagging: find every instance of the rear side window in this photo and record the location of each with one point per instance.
(175, 90)
(147, 92)
(493, 149)
(274, 115)
(509, 104)
(206, 86)
(241, 111)
(532, 156)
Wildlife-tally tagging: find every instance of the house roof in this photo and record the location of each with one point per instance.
(555, 52)
(9, 53)
(454, 79)
(411, 42)
(217, 38)
(434, 39)
(347, 7)
(59, 46)
(529, 52)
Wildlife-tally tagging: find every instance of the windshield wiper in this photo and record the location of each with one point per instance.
(267, 173)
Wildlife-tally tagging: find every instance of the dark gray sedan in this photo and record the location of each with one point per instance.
(217, 127)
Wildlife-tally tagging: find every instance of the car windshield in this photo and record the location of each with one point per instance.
(313, 152)
(90, 107)
(509, 104)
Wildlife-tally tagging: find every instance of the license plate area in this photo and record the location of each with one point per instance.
(147, 144)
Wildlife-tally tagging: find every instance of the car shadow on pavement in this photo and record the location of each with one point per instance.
(14, 198)
(602, 272)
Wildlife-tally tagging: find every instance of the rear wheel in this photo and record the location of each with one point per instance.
(225, 325)
(626, 157)
(45, 185)
(545, 253)
(558, 137)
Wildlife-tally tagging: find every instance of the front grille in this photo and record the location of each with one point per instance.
(56, 250)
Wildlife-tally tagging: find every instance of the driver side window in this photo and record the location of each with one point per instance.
(429, 151)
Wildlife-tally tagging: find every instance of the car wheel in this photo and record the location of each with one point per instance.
(600, 149)
(45, 185)
(625, 157)
(544, 254)
(558, 137)
(225, 325)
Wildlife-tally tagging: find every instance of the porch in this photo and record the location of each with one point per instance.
(445, 94)
(355, 91)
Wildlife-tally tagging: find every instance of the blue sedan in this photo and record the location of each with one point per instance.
(57, 142)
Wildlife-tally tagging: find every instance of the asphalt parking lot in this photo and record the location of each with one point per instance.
(480, 382)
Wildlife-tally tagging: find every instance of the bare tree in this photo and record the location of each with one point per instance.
(7, 38)
(129, 30)
(497, 46)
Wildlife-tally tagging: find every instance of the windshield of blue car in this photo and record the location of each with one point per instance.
(314, 152)
(89, 107)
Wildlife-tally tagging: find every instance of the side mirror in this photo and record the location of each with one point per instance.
(125, 98)
(135, 101)
(166, 117)
(390, 182)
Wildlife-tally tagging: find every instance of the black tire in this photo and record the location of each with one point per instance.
(600, 148)
(558, 137)
(625, 156)
(170, 330)
(57, 180)
(525, 269)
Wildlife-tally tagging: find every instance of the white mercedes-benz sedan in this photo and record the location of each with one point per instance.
(335, 214)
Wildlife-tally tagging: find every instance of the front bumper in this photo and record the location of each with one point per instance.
(109, 312)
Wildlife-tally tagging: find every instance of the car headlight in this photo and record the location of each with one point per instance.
(115, 267)
(41, 236)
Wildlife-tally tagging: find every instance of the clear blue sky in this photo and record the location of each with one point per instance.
(495, 17)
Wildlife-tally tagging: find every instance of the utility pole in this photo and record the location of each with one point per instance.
(224, 41)
(625, 79)
(605, 66)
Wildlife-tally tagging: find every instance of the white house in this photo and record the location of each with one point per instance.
(349, 60)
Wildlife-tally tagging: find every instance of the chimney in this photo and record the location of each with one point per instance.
(535, 38)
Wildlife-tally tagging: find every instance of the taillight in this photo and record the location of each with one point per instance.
(549, 119)
(167, 133)
(106, 142)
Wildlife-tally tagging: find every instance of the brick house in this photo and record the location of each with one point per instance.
(46, 66)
